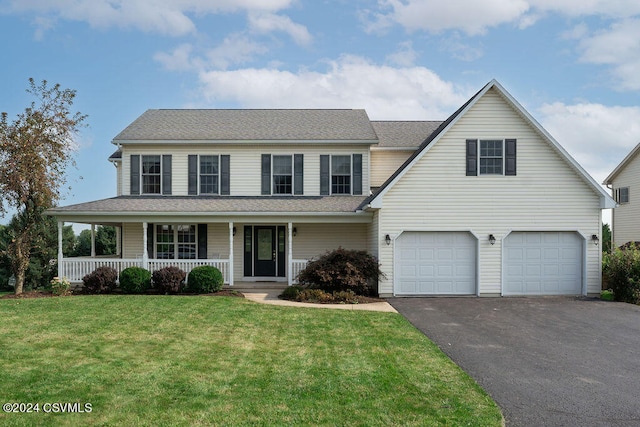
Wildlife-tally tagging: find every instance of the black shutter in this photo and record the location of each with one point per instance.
(298, 174)
(202, 241)
(472, 157)
(266, 174)
(135, 174)
(150, 241)
(225, 171)
(192, 174)
(166, 174)
(510, 157)
(357, 174)
(324, 175)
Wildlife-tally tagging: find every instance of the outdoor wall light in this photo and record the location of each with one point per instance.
(295, 231)
(387, 239)
(234, 231)
(492, 239)
(594, 239)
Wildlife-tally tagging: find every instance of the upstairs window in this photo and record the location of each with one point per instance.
(491, 157)
(622, 195)
(340, 174)
(209, 174)
(282, 175)
(151, 174)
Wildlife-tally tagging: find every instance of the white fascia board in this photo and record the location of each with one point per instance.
(622, 165)
(374, 148)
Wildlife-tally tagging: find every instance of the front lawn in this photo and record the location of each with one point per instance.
(158, 360)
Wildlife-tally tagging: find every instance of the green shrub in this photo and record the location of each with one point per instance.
(135, 280)
(169, 279)
(291, 292)
(621, 270)
(346, 297)
(606, 295)
(101, 281)
(204, 279)
(342, 270)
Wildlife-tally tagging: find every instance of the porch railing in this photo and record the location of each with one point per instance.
(74, 269)
(297, 265)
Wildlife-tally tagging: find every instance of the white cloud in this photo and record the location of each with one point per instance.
(598, 136)
(619, 47)
(160, 16)
(461, 50)
(178, 60)
(270, 22)
(474, 17)
(405, 56)
(350, 82)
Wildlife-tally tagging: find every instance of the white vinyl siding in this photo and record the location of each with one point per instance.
(384, 163)
(626, 217)
(119, 178)
(546, 194)
(132, 240)
(245, 164)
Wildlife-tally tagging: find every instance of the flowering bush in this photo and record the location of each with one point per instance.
(60, 286)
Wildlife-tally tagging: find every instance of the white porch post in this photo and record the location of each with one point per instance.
(93, 240)
(118, 248)
(145, 254)
(60, 255)
(290, 255)
(231, 254)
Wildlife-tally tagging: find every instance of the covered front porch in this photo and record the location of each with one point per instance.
(190, 253)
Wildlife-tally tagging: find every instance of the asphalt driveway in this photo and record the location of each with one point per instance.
(551, 361)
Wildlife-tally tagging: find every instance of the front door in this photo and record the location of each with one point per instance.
(264, 251)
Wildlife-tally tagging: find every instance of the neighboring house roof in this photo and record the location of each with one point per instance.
(622, 165)
(375, 200)
(403, 134)
(116, 156)
(250, 125)
(213, 205)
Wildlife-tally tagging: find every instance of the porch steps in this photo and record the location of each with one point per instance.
(255, 286)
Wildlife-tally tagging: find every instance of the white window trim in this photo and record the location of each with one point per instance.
(350, 193)
(503, 156)
(175, 240)
(199, 173)
(142, 175)
(293, 174)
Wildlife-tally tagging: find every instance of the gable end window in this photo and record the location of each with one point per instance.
(150, 174)
(491, 157)
(622, 195)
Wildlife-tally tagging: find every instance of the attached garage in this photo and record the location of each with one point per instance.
(435, 263)
(543, 263)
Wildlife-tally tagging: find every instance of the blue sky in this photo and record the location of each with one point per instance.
(573, 64)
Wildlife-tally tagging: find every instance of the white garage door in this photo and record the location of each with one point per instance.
(543, 263)
(435, 263)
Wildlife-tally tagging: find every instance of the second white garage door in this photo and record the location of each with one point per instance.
(435, 263)
(543, 263)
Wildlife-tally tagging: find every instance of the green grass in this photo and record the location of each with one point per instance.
(158, 360)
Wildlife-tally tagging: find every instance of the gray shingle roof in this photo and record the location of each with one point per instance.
(117, 155)
(401, 134)
(124, 205)
(250, 125)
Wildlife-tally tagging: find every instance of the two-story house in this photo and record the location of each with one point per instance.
(624, 182)
(484, 203)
